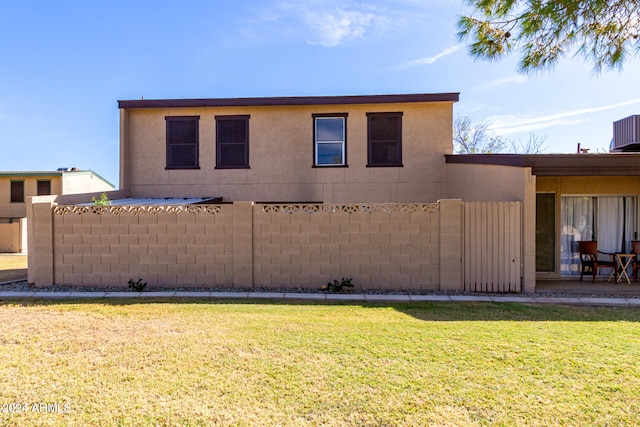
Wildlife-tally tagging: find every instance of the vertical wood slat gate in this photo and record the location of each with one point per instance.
(493, 246)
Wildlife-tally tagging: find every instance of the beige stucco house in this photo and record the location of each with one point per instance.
(387, 148)
(17, 187)
(292, 192)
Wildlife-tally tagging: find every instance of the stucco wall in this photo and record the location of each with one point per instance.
(281, 156)
(13, 236)
(487, 183)
(83, 182)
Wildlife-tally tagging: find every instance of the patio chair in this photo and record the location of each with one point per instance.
(589, 262)
(635, 263)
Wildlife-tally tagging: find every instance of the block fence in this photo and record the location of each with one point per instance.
(247, 245)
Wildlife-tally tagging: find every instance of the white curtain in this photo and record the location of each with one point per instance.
(610, 224)
(608, 219)
(577, 224)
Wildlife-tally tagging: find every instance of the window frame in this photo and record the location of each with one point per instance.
(315, 118)
(169, 144)
(219, 144)
(43, 181)
(371, 141)
(12, 192)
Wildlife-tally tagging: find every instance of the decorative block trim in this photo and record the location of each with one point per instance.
(351, 208)
(137, 210)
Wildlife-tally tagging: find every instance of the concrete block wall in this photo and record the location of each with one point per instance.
(378, 246)
(163, 246)
(245, 245)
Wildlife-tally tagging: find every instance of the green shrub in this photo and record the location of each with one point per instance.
(338, 286)
(137, 286)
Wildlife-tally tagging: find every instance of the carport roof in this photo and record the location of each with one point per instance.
(607, 164)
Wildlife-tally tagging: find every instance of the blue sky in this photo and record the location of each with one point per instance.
(65, 65)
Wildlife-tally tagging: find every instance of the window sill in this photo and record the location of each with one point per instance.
(232, 167)
(400, 165)
(329, 166)
(182, 168)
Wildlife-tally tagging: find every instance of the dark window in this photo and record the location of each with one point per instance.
(17, 191)
(232, 142)
(182, 142)
(384, 139)
(44, 188)
(330, 139)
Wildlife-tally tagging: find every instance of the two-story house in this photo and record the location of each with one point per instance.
(385, 148)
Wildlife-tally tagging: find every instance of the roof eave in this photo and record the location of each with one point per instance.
(286, 101)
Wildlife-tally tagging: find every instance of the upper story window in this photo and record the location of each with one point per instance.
(44, 188)
(330, 139)
(232, 142)
(17, 191)
(182, 142)
(384, 139)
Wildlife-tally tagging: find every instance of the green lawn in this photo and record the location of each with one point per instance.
(231, 363)
(13, 267)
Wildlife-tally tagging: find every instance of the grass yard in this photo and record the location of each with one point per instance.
(13, 267)
(231, 363)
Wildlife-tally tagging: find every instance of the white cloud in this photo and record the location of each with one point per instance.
(504, 125)
(431, 59)
(323, 23)
(502, 82)
(332, 28)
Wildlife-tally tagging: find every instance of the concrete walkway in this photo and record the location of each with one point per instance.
(321, 297)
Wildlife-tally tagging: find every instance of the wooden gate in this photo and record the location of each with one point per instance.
(493, 246)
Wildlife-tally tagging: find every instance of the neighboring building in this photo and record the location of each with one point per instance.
(384, 148)
(16, 187)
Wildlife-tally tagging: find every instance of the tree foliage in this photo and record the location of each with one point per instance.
(604, 32)
(475, 137)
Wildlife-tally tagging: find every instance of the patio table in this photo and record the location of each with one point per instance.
(623, 261)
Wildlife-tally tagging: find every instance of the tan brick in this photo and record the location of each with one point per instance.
(196, 249)
(310, 269)
(330, 248)
(410, 228)
(185, 218)
(320, 238)
(386, 269)
(156, 249)
(138, 269)
(92, 279)
(167, 279)
(72, 239)
(359, 238)
(311, 249)
(330, 270)
(176, 249)
(183, 239)
(166, 218)
(149, 259)
(280, 239)
(129, 259)
(72, 279)
(129, 239)
(370, 269)
(82, 229)
(157, 229)
(72, 259)
(148, 239)
(213, 269)
(139, 229)
(339, 238)
(320, 218)
(146, 218)
(195, 269)
(90, 219)
(400, 218)
(310, 228)
(390, 228)
(379, 218)
(122, 269)
(380, 239)
(128, 219)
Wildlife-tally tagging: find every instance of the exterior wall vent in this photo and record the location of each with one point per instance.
(626, 134)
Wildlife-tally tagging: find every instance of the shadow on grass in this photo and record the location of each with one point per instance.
(425, 311)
